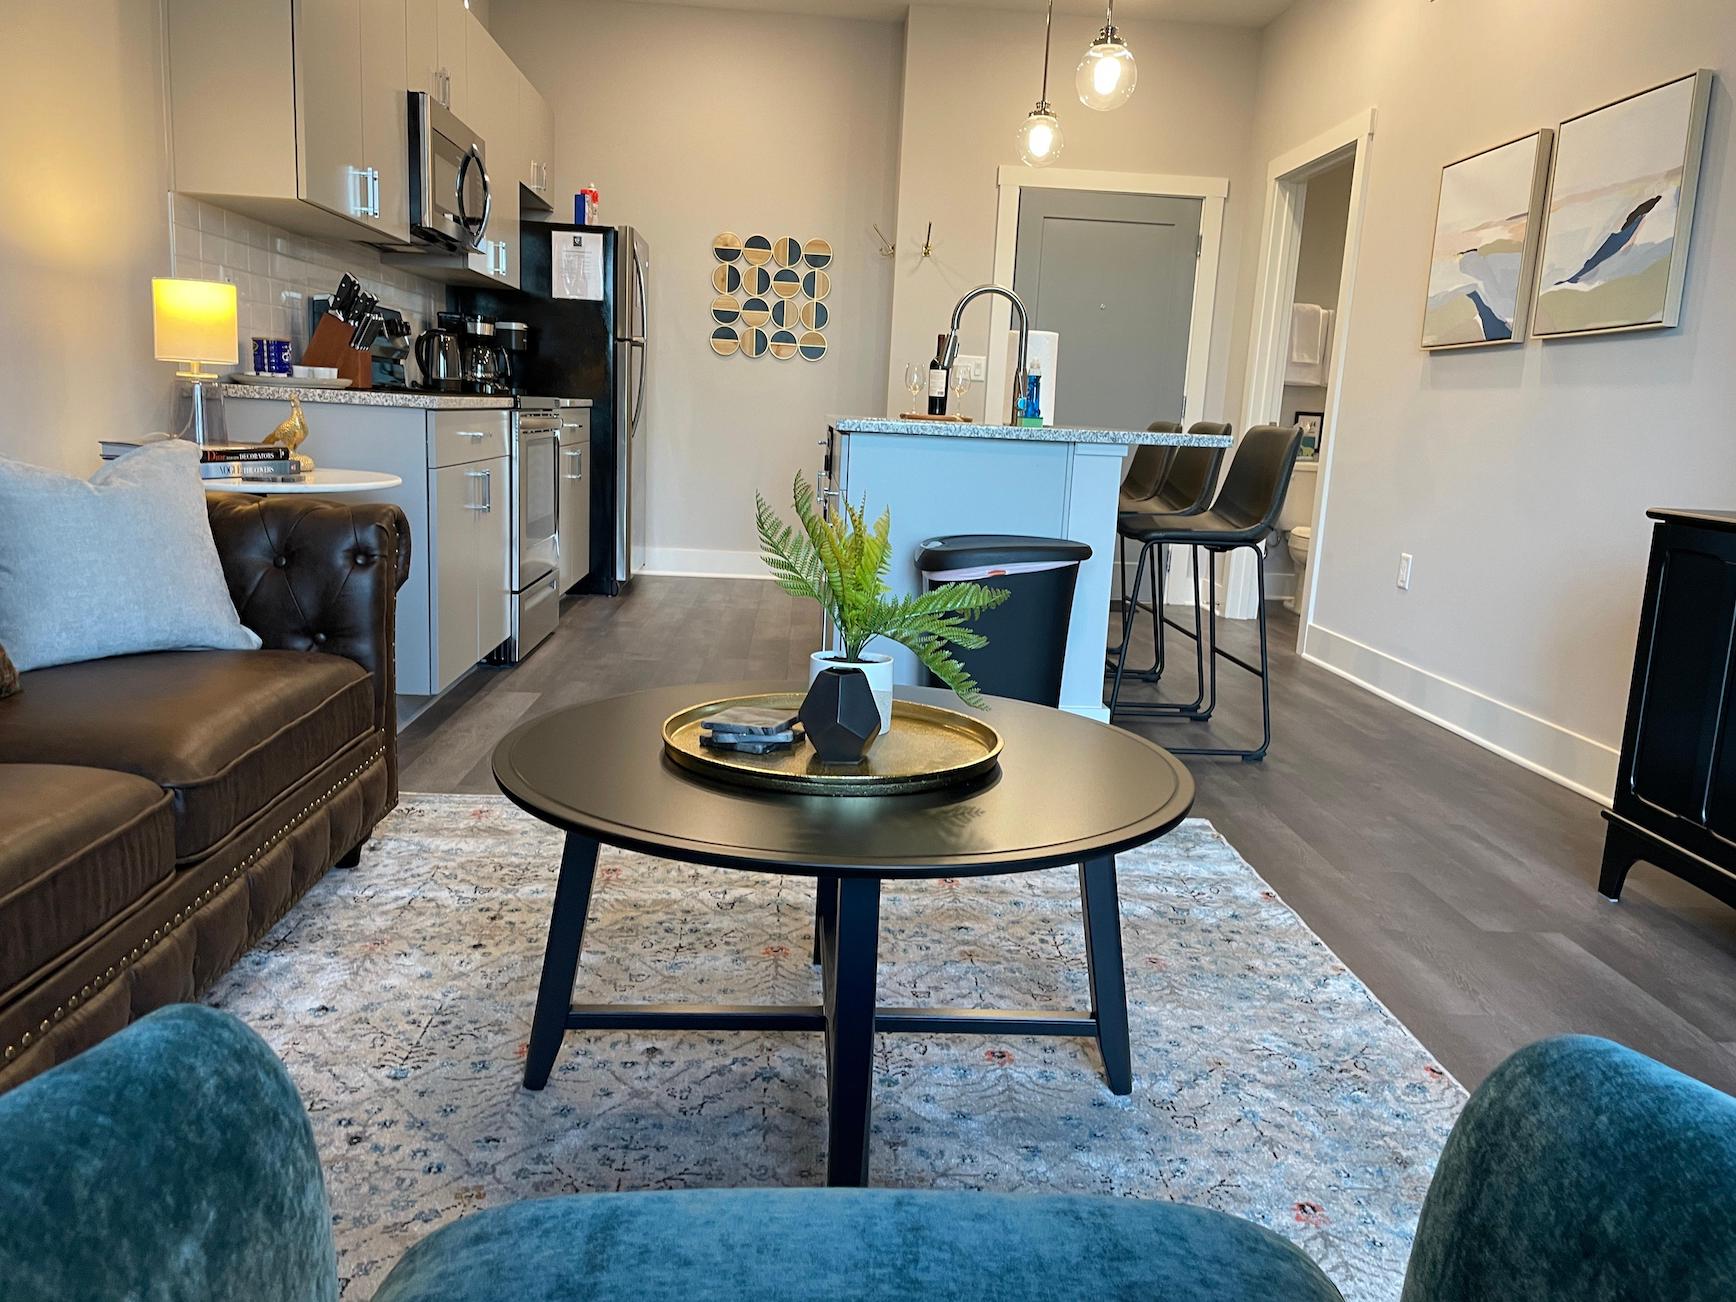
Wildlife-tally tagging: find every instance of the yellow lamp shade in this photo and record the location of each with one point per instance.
(195, 321)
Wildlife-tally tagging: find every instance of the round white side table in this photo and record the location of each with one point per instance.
(322, 479)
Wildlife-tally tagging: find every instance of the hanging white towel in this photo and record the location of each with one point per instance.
(1310, 344)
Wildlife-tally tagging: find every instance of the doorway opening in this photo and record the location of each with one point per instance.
(1293, 346)
(1308, 369)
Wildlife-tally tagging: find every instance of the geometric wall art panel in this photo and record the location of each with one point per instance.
(766, 296)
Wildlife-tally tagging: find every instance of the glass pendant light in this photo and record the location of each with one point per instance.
(1107, 74)
(1040, 137)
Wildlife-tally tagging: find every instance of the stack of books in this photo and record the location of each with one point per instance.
(252, 462)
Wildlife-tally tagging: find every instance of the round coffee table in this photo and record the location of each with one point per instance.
(1068, 790)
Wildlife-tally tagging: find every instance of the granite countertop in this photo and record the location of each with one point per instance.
(1031, 433)
(363, 397)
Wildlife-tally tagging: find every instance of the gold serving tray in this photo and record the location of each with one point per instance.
(927, 747)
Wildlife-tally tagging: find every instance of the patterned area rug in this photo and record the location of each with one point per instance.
(1269, 1082)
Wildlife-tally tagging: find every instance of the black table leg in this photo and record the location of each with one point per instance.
(825, 910)
(850, 1009)
(554, 996)
(1103, 961)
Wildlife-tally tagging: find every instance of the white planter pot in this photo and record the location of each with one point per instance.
(876, 666)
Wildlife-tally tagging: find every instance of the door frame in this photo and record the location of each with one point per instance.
(1287, 178)
(1211, 191)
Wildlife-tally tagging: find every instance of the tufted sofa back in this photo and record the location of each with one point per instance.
(316, 574)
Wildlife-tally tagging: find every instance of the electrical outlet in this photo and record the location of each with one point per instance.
(1404, 569)
(975, 367)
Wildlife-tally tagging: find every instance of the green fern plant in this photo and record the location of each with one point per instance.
(842, 563)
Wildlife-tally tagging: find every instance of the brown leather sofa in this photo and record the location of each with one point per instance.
(158, 813)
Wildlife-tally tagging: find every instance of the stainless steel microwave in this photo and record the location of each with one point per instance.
(450, 195)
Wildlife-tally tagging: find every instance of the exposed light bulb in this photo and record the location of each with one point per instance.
(1040, 137)
(1107, 74)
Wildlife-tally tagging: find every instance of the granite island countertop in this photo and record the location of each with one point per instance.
(364, 397)
(1029, 433)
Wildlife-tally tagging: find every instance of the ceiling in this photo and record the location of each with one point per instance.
(1233, 13)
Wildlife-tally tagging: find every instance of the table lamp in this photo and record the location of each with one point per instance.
(195, 323)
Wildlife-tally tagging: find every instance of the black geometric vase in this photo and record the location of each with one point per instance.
(839, 716)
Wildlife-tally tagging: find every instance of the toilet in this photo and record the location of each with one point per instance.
(1295, 522)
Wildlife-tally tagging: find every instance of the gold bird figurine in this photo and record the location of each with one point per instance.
(291, 433)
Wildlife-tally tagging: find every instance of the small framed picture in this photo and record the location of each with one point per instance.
(1313, 424)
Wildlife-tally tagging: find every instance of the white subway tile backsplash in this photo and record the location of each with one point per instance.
(275, 272)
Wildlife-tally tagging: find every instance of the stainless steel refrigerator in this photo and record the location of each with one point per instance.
(632, 283)
(590, 341)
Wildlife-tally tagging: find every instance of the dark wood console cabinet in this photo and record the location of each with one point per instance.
(1675, 794)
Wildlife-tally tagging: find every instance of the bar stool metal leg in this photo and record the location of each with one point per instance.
(1127, 614)
(1262, 671)
(1167, 709)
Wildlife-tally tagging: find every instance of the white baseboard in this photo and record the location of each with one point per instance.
(1577, 762)
(703, 563)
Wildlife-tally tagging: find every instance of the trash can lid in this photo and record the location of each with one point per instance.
(962, 550)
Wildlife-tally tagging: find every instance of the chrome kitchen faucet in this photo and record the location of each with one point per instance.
(1019, 377)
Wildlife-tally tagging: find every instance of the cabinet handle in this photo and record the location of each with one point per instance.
(471, 433)
(488, 490)
(577, 455)
(471, 503)
(373, 192)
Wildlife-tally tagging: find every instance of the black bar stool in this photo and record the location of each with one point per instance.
(1243, 516)
(1139, 490)
(1189, 479)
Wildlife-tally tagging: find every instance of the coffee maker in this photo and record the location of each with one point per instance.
(514, 340)
(485, 365)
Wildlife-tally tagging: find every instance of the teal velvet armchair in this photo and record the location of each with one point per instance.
(174, 1163)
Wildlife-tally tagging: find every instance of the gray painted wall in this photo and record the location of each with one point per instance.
(1517, 476)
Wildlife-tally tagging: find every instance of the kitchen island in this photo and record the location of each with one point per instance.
(941, 477)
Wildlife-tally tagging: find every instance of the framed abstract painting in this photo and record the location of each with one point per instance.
(1621, 206)
(1485, 244)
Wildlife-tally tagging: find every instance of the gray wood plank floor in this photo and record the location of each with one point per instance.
(1458, 885)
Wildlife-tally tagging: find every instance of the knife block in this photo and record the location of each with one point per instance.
(330, 346)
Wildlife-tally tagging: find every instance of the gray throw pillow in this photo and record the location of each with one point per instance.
(120, 564)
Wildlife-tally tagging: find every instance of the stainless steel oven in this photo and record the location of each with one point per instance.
(450, 195)
(536, 523)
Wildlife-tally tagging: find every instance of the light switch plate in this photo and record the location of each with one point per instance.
(1404, 570)
(975, 367)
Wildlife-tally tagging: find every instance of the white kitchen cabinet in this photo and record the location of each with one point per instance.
(281, 109)
(328, 70)
(494, 82)
(438, 54)
(575, 497)
(536, 137)
(468, 524)
(386, 113)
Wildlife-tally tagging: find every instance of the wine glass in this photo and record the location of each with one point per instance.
(916, 380)
(961, 380)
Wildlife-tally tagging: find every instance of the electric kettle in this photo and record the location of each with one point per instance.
(440, 355)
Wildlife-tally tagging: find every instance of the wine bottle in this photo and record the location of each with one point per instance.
(937, 380)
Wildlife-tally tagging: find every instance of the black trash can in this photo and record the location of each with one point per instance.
(1027, 632)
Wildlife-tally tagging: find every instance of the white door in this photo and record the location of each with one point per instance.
(1113, 276)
